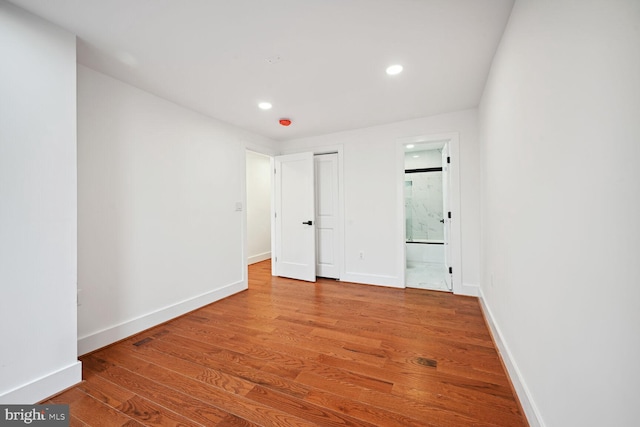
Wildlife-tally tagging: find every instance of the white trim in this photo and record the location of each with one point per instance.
(400, 212)
(272, 173)
(263, 151)
(260, 149)
(340, 223)
(531, 411)
(44, 387)
(456, 242)
(242, 166)
(123, 330)
(260, 257)
(372, 279)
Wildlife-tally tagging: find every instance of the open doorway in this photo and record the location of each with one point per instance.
(426, 190)
(429, 208)
(258, 169)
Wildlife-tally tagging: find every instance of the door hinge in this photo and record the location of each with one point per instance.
(276, 259)
(275, 214)
(448, 159)
(450, 270)
(274, 171)
(449, 215)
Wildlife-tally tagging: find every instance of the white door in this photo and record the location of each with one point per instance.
(327, 216)
(294, 223)
(446, 207)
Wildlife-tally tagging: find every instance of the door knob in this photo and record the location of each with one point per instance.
(308, 222)
(442, 221)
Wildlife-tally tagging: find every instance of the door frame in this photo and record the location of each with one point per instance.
(453, 138)
(340, 223)
(245, 237)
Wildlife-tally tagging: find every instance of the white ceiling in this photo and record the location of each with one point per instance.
(321, 63)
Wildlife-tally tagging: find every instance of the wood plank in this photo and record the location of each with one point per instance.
(286, 353)
(231, 368)
(151, 414)
(93, 412)
(218, 397)
(362, 411)
(196, 410)
(304, 409)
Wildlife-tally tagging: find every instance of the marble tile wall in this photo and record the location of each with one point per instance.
(423, 203)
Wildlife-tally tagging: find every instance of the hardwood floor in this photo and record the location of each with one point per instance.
(288, 353)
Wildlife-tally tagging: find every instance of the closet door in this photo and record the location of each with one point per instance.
(327, 216)
(295, 233)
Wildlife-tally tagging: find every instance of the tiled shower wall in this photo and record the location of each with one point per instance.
(423, 200)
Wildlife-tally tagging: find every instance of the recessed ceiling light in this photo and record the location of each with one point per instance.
(265, 105)
(415, 156)
(394, 69)
(410, 145)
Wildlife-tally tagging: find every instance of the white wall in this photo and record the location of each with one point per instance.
(371, 194)
(431, 158)
(258, 207)
(158, 230)
(37, 208)
(560, 139)
(419, 253)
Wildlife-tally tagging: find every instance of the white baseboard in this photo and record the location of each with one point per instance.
(115, 333)
(395, 282)
(524, 395)
(44, 387)
(372, 279)
(260, 257)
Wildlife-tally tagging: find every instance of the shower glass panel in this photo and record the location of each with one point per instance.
(408, 209)
(423, 203)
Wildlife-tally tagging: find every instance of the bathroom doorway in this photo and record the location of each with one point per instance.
(427, 216)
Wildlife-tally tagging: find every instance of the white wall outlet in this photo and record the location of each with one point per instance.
(238, 206)
(361, 255)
